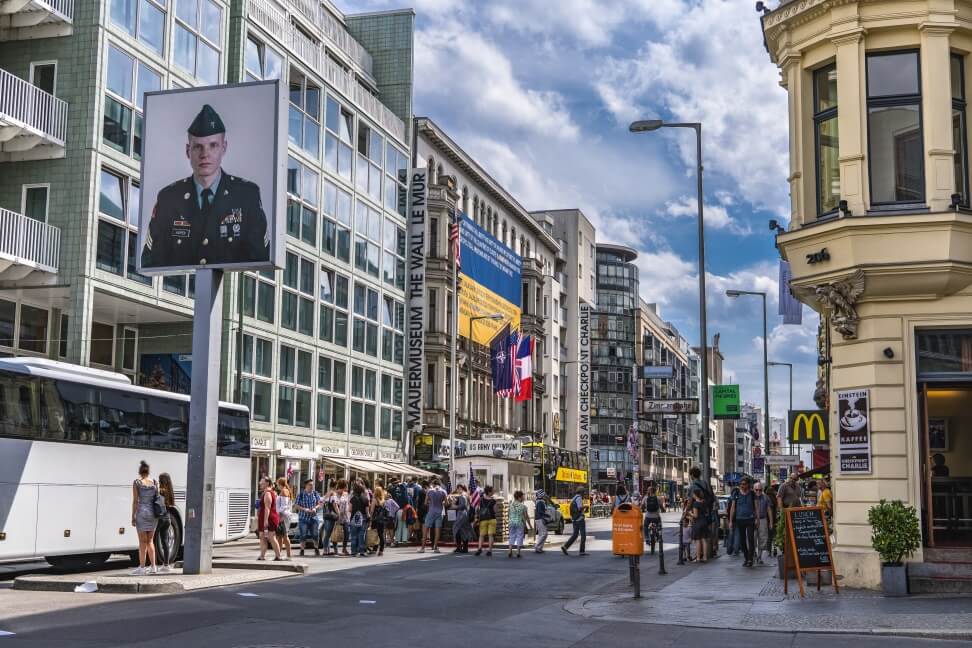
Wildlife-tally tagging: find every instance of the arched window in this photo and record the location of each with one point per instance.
(527, 248)
(504, 233)
(439, 173)
(465, 200)
(431, 168)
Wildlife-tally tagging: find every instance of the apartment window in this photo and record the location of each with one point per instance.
(44, 76)
(959, 130)
(396, 177)
(302, 190)
(304, 122)
(363, 401)
(34, 202)
(256, 387)
(433, 310)
(336, 224)
(198, 38)
(62, 337)
(176, 284)
(433, 237)
(297, 295)
(102, 344)
(259, 295)
(896, 157)
(364, 337)
(826, 138)
(338, 157)
(33, 329)
(367, 235)
(393, 330)
(371, 146)
(430, 386)
(333, 324)
(117, 247)
(261, 62)
(294, 390)
(126, 81)
(390, 424)
(393, 263)
(142, 19)
(330, 405)
(129, 350)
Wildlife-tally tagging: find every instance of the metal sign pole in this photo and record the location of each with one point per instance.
(203, 419)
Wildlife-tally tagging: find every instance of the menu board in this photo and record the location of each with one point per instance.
(809, 538)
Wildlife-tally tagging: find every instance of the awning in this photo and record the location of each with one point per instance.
(385, 467)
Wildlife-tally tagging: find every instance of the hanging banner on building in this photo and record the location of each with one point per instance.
(415, 294)
(808, 426)
(214, 166)
(584, 378)
(854, 432)
(490, 283)
(725, 402)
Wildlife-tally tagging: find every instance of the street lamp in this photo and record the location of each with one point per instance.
(646, 126)
(788, 365)
(452, 428)
(737, 293)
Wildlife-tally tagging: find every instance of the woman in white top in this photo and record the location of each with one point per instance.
(285, 504)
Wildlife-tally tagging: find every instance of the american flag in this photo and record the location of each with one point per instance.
(474, 492)
(454, 238)
(511, 345)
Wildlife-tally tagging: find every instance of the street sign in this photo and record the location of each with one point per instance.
(648, 372)
(671, 406)
(783, 460)
(759, 465)
(725, 402)
(808, 426)
(495, 448)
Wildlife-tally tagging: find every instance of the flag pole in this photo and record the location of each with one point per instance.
(454, 387)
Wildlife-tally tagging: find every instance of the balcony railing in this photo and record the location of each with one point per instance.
(35, 112)
(28, 242)
(23, 19)
(270, 18)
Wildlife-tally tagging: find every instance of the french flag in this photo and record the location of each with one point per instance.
(524, 369)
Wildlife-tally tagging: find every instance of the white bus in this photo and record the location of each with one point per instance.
(71, 439)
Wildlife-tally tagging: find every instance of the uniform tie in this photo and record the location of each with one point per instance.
(207, 205)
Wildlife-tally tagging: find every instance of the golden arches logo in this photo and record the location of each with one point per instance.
(803, 425)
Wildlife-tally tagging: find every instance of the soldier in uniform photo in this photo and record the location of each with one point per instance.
(211, 217)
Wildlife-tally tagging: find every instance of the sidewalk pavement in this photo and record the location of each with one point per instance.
(723, 594)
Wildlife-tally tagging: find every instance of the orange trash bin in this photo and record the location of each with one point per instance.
(627, 533)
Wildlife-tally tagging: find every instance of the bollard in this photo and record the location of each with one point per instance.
(634, 566)
(661, 549)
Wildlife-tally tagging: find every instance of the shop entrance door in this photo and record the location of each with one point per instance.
(946, 449)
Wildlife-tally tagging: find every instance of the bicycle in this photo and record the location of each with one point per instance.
(653, 534)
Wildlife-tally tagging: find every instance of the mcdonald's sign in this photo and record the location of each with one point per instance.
(809, 426)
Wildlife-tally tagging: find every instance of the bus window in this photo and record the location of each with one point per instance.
(233, 437)
(167, 424)
(81, 407)
(122, 421)
(53, 421)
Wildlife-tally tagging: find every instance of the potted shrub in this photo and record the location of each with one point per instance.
(895, 535)
(779, 533)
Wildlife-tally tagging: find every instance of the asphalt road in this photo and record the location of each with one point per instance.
(432, 600)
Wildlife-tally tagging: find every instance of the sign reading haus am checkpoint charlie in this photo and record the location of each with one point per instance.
(212, 179)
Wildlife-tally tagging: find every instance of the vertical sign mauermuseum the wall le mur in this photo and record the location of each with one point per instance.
(584, 378)
(417, 210)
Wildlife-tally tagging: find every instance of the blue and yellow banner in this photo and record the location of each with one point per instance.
(490, 283)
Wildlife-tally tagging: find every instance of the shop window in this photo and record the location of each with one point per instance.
(896, 152)
(826, 139)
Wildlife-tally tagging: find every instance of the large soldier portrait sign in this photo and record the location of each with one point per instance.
(212, 177)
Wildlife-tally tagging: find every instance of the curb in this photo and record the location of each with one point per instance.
(576, 608)
(260, 565)
(40, 584)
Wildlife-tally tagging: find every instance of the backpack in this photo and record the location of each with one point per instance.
(400, 495)
(708, 498)
(409, 515)
(650, 504)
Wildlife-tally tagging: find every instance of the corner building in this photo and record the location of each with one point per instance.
(315, 350)
(879, 178)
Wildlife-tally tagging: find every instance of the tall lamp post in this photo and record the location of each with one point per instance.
(468, 399)
(737, 293)
(788, 365)
(649, 125)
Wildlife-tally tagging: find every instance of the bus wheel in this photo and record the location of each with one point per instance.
(560, 527)
(171, 537)
(78, 561)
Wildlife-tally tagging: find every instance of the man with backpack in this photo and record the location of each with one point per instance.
(540, 519)
(651, 507)
(711, 507)
(742, 516)
(577, 522)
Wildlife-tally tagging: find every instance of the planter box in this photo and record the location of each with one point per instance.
(894, 580)
(791, 572)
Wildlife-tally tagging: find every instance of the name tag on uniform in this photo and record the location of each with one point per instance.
(181, 229)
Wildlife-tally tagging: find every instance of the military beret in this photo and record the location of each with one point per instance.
(207, 122)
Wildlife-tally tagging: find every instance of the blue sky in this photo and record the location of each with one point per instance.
(541, 93)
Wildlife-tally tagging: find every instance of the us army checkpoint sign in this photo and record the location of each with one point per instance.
(213, 179)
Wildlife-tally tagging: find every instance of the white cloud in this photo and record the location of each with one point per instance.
(716, 215)
(708, 64)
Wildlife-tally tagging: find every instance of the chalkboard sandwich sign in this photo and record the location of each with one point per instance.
(808, 546)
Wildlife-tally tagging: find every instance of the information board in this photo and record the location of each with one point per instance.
(808, 545)
(725, 402)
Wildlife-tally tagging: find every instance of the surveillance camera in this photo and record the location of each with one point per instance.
(773, 224)
(888, 353)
